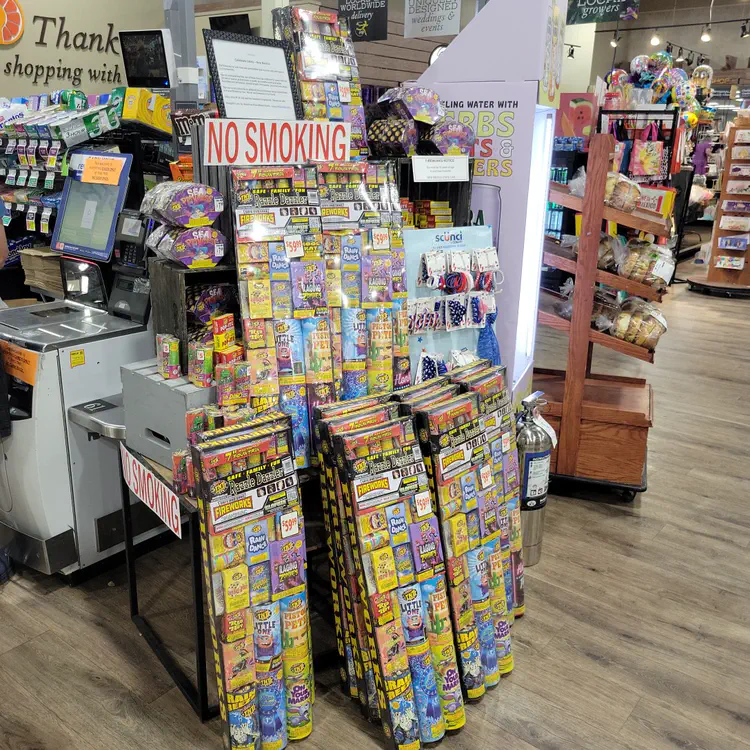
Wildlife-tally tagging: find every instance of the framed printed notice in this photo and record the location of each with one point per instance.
(253, 78)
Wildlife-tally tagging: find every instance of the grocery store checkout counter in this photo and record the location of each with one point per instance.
(59, 488)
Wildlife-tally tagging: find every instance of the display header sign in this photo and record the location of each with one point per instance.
(424, 18)
(368, 19)
(150, 489)
(598, 11)
(249, 143)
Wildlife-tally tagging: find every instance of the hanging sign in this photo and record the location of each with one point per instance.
(597, 11)
(151, 490)
(249, 143)
(431, 18)
(368, 19)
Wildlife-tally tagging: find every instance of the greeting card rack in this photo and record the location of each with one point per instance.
(728, 270)
(602, 420)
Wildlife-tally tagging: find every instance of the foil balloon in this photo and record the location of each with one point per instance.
(690, 119)
(681, 73)
(703, 75)
(662, 83)
(683, 93)
(659, 60)
(638, 65)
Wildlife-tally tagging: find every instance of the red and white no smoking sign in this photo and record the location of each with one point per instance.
(150, 489)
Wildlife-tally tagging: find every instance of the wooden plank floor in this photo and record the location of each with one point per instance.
(638, 626)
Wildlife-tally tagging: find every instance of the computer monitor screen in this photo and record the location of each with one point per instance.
(145, 59)
(238, 23)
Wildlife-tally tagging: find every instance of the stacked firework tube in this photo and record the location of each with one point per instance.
(168, 356)
(253, 540)
(470, 505)
(322, 287)
(400, 581)
(326, 69)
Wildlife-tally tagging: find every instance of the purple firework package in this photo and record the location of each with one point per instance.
(288, 566)
(354, 334)
(293, 401)
(376, 280)
(426, 547)
(452, 137)
(197, 247)
(309, 291)
(184, 204)
(414, 103)
(290, 351)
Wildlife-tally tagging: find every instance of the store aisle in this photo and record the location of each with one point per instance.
(638, 626)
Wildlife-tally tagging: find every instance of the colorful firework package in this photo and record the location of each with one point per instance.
(326, 69)
(253, 538)
(322, 290)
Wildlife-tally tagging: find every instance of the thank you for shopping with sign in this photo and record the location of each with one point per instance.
(149, 489)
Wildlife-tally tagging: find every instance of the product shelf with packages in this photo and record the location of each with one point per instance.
(603, 421)
(728, 270)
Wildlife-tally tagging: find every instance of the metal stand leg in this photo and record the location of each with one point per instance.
(196, 695)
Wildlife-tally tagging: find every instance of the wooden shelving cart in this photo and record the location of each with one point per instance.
(721, 279)
(602, 420)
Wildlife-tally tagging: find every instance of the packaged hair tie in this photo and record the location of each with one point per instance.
(455, 312)
(460, 261)
(457, 282)
(477, 310)
(485, 259)
(432, 269)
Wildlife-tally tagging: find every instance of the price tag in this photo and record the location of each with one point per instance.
(293, 245)
(485, 476)
(345, 92)
(31, 153)
(21, 152)
(31, 219)
(505, 442)
(422, 503)
(2, 171)
(289, 524)
(11, 178)
(43, 149)
(34, 178)
(20, 207)
(380, 238)
(44, 221)
(23, 175)
(6, 220)
(54, 150)
(49, 180)
(8, 205)
(11, 147)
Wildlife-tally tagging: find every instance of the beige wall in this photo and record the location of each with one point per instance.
(576, 72)
(55, 67)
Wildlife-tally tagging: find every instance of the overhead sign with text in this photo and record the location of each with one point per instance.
(432, 18)
(368, 19)
(598, 11)
(249, 143)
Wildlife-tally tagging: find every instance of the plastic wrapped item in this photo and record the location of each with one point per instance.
(621, 193)
(185, 204)
(647, 263)
(639, 323)
(451, 137)
(392, 137)
(603, 313)
(577, 184)
(197, 247)
(610, 248)
(414, 103)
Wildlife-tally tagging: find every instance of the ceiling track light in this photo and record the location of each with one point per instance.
(744, 32)
(680, 56)
(691, 59)
(571, 53)
(615, 40)
(655, 39)
(701, 59)
(669, 47)
(706, 33)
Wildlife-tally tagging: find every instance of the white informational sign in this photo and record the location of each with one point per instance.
(250, 143)
(431, 17)
(254, 80)
(151, 490)
(440, 168)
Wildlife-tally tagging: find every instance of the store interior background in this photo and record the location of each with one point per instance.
(637, 633)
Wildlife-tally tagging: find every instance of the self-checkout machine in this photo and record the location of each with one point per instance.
(60, 489)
